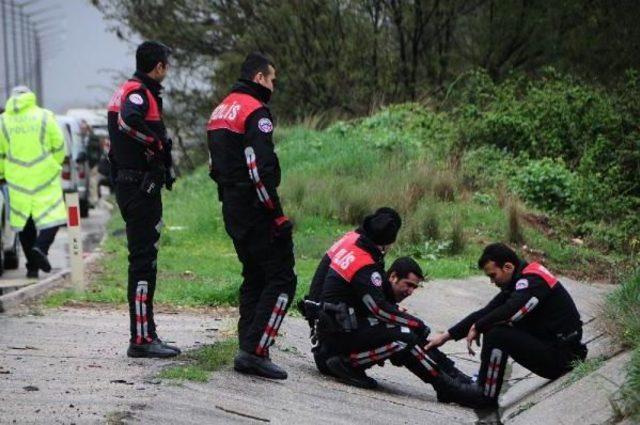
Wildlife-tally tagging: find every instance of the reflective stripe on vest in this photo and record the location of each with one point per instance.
(347, 258)
(541, 271)
(232, 113)
(45, 153)
(115, 104)
(37, 189)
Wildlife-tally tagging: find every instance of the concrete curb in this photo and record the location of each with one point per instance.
(15, 298)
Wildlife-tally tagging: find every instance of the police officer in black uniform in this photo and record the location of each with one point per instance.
(533, 319)
(402, 278)
(247, 172)
(141, 165)
(354, 285)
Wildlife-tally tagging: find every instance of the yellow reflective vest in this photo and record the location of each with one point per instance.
(31, 155)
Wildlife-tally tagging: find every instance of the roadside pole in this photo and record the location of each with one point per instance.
(75, 240)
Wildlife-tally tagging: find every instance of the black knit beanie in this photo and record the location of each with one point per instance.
(382, 226)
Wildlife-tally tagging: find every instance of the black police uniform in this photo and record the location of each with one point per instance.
(353, 271)
(138, 155)
(246, 169)
(535, 321)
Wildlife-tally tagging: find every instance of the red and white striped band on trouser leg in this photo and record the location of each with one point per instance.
(142, 328)
(422, 357)
(375, 355)
(493, 370)
(270, 332)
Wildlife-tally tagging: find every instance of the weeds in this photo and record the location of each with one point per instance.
(202, 361)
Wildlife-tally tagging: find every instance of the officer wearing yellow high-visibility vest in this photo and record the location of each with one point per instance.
(31, 156)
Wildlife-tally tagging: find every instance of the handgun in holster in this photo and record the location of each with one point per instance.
(340, 314)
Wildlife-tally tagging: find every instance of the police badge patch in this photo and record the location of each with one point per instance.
(265, 125)
(136, 99)
(522, 284)
(376, 279)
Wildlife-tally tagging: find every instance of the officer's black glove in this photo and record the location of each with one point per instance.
(169, 178)
(282, 227)
(168, 158)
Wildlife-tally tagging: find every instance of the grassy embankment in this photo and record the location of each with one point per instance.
(623, 311)
(332, 178)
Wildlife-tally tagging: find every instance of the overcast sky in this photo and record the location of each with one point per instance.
(81, 73)
(81, 56)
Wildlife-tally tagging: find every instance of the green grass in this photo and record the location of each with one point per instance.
(584, 368)
(623, 311)
(331, 179)
(202, 361)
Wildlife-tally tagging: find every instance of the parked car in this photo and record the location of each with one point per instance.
(9, 244)
(75, 168)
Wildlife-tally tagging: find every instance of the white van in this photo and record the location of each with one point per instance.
(75, 168)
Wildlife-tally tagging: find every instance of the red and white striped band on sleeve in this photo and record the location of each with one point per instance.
(530, 305)
(373, 307)
(263, 195)
(122, 126)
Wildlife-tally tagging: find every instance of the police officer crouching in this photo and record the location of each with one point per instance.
(358, 323)
(533, 320)
(141, 165)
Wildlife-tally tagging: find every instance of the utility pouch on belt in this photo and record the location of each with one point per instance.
(343, 315)
(152, 182)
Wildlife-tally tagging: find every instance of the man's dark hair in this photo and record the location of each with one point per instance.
(149, 54)
(255, 62)
(403, 266)
(500, 254)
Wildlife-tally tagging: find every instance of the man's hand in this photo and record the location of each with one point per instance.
(437, 340)
(473, 335)
(282, 227)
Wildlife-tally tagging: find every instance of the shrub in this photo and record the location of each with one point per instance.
(545, 183)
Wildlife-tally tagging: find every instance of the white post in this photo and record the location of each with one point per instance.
(75, 239)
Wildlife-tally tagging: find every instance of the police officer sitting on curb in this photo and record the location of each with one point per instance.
(533, 319)
(359, 323)
(141, 164)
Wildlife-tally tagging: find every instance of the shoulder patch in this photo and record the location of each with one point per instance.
(376, 279)
(522, 284)
(136, 99)
(265, 125)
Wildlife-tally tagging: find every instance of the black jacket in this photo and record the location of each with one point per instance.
(131, 132)
(242, 158)
(367, 291)
(527, 303)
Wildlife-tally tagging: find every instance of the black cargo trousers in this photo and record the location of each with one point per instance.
(546, 358)
(269, 280)
(374, 342)
(142, 215)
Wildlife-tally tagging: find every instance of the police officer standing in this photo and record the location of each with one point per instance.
(140, 159)
(31, 155)
(246, 169)
(533, 320)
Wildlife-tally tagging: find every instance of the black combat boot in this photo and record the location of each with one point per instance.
(153, 349)
(342, 369)
(170, 347)
(41, 260)
(465, 394)
(256, 365)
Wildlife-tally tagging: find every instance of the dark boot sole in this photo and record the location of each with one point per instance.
(252, 370)
(337, 373)
(134, 354)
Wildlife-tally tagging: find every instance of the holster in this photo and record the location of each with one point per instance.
(152, 181)
(332, 317)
